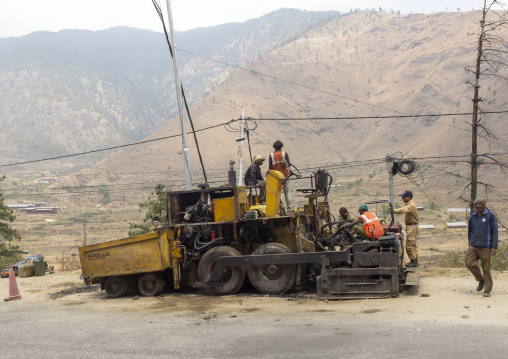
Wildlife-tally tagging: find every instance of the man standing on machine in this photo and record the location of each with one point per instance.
(279, 161)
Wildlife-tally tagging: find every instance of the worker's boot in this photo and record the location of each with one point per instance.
(413, 263)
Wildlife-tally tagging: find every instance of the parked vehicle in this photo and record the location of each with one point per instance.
(217, 237)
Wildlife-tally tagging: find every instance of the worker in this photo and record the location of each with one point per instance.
(279, 161)
(155, 224)
(253, 176)
(344, 214)
(482, 233)
(347, 226)
(411, 219)
(368, 226)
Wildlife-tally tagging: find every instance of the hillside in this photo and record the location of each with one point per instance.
(74, 91)
(360, 65)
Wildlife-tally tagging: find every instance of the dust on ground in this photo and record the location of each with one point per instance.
(444, 296)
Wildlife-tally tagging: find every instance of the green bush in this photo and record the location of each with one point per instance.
(500, 260)
(457, 259)
(9, 254)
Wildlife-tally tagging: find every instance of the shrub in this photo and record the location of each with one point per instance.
(457, 259)
(452, 259)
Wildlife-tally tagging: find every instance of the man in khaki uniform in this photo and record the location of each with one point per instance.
(411, 219)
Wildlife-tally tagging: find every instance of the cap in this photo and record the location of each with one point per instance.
(407, 194)
(258, 158)
(479, 200)
(363, 207)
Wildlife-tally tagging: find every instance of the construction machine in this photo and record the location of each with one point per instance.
(218, 236)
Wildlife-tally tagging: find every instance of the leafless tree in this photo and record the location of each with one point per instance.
(491, 61)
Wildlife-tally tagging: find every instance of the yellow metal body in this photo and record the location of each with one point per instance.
(224, 209)
(151, 252)
(241, 201)
(274, 181)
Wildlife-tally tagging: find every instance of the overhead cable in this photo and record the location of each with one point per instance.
(110, 148)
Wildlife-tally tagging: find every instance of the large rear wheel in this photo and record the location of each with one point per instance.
(273, 278)
(232, 278)
(116, 286)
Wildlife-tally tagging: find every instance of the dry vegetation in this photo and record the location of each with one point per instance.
(365, 64)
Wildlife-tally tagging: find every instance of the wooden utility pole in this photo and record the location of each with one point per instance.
(476, 100)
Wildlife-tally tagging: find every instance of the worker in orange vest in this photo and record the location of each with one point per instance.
(370, 227)
(279, 161)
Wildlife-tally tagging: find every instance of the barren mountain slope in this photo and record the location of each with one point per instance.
(361, 65)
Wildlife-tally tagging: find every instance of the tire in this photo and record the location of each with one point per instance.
(232, 278)
(150, 284)
(161, 283)
(272, 279)
(116, 286)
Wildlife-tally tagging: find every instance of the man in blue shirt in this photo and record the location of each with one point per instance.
(482, 236)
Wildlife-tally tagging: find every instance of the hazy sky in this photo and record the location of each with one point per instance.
(21, 17)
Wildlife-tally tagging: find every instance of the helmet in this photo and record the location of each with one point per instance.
(363, 207)
(258, 158)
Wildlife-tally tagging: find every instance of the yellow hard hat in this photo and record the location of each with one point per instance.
(258, 158)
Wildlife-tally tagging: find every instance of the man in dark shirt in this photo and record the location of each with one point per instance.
(253, 173)
(482, 236)
(253, 176)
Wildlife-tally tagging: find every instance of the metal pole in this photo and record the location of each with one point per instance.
(240, 149)
(186, 158)
(389, 165)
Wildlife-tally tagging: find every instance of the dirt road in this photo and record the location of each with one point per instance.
(61, 317)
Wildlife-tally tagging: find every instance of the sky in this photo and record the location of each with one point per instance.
(21, 17)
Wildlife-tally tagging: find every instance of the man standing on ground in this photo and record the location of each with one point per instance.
(279, 161)
(482, 236)
(411, 219)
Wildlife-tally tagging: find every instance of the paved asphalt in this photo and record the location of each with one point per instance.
(34, 330)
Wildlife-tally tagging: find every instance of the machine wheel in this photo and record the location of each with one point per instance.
(161, 283)
(272, 279)
(116, 286)
(150, 284)
(232, 277)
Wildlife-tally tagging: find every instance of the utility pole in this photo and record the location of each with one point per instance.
(179, 97)
(474, 125)
(240, 139)
(389, 166)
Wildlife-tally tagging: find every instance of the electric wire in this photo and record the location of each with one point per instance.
(111, 148)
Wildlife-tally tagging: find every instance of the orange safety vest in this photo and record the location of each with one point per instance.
(372, 224)
(279, 162)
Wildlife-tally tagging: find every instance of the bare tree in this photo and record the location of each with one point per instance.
(491, 60)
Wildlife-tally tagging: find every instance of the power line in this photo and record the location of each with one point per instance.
(327, 92)
(378, 117)
(113, 147)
